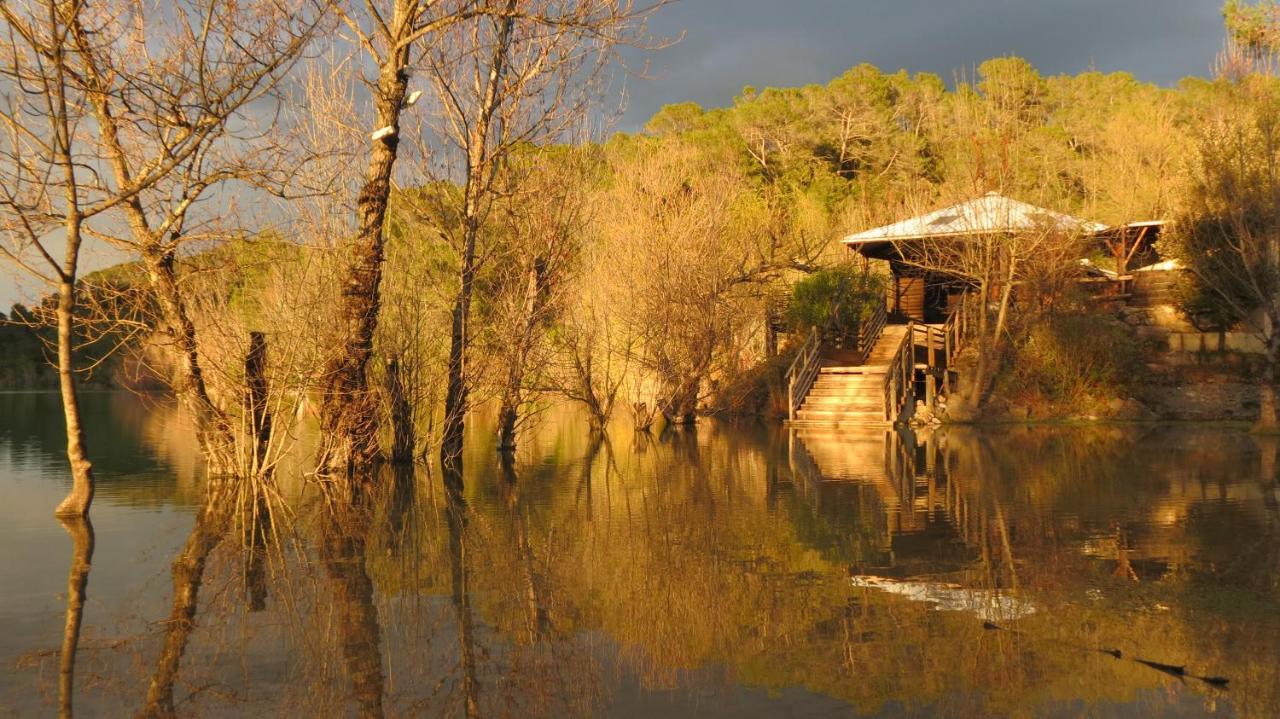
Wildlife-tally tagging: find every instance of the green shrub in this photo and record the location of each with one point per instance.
(854, 291)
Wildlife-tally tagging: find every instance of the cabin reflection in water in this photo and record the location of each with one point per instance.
(899, 482)
(926, 523)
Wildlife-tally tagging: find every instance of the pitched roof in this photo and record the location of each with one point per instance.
(992, 213)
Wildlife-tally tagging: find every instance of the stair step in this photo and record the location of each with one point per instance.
(851, 370)
(837, 424)
(845, 396)
(875, 417)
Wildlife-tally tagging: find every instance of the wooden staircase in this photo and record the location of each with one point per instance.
(847, 391)
(873, 383)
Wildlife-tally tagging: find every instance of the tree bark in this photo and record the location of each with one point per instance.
(480, 168)
(77, 501)
(347, 414)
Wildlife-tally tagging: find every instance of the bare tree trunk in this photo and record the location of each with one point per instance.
(401, 411)
(347, 414)
(255, 381)
(78, 500)
(81, 495)
(507, 416)
(212, 428)
(81, 531)
(480, 170)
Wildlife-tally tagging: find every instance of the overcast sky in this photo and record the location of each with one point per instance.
(732, 43)
(727, 44)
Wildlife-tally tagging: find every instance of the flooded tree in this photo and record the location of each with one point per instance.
(194, 103)
(388, 38)
(517, 76)
(543, 224)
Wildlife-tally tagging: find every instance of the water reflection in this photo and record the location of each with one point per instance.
(82, 543)
(733, 571)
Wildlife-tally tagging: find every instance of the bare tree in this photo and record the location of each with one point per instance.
(542, 223)
(387, 37)
(520, 73)
(681, 257)
(52, 188)
(219, 65)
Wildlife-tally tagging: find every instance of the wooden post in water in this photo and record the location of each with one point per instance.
(255, 381)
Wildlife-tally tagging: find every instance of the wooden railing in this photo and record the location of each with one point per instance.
(869, 331)
(803, 371)
(940, 345)
(899, 376)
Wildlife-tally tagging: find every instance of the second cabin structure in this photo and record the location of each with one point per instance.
(907, 346)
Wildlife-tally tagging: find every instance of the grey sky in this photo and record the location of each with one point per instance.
(731, 43)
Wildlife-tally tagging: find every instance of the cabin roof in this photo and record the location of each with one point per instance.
(992, 213)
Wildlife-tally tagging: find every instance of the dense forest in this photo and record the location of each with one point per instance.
(455, 233)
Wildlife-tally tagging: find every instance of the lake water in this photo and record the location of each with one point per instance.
(731, 571)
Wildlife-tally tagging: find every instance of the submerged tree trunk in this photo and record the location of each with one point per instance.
(401, 411)
(80, 497)
(480, 170)
(82, 539)
(347, 414)
(255, 381)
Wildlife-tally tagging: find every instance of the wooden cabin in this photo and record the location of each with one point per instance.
(905, 350)
(918, 291)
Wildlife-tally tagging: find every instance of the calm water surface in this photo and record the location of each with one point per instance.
(727, 572)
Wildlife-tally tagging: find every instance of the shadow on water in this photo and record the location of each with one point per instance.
(727, 571)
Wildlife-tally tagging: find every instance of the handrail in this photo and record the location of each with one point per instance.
(898, 376)
(869, 331)
(803, 371)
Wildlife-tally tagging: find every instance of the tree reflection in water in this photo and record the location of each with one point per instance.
(82, 540)
(680, 573)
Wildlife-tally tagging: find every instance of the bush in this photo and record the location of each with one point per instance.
(1072, 363)
(854, 291)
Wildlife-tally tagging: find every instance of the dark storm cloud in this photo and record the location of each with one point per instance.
(732, 43)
